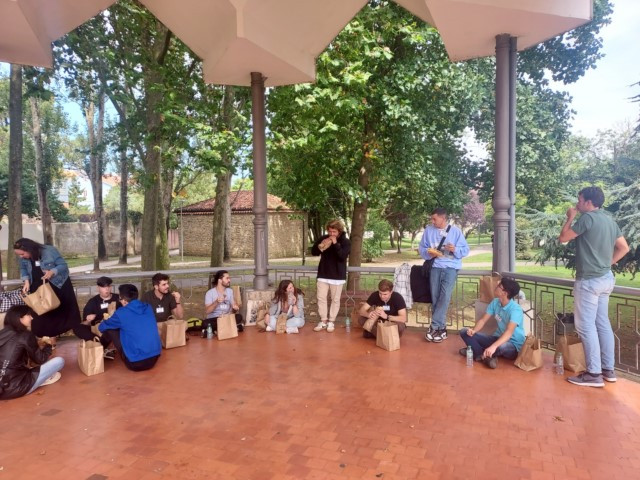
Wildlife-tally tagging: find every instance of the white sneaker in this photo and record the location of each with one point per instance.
(292, 330)
(321, 326)
(269, 329)
(52, 379)
(330, 327)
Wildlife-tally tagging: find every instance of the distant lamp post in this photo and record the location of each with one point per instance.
(181, 232)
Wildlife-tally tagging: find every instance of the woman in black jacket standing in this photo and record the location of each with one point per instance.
(333, 248)
(17, 346)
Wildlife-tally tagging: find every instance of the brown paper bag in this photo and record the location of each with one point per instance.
(90, 357)
(355, 316)
(111, 308)
(387, 336)
(260, 322)
(227, 327)
(487, 286)
(370, 324)
(43, 300)
(281, 323)
(530, 356)
(572, 353)
(172, 333)
(237, 295)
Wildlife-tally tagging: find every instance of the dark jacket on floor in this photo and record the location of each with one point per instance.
(16, 379)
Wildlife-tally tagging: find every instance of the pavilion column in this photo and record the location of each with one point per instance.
(260, 227)
(501, 201)
(513, 58)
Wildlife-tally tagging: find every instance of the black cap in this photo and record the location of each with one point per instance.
(104, 282)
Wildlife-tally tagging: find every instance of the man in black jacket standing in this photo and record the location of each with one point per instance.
(333, 248)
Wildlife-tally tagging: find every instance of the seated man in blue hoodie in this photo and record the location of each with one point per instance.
(133, 330)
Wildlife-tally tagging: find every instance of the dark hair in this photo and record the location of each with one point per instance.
(281, 294)
(159, 277)
(510, 286)
(385, 285)
(13, 316)
(595, 194)
(128, 292)
(217, 277)
(30, 246)
(439, 211)
(104, 282)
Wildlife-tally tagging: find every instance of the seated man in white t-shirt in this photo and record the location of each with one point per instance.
(219, 301)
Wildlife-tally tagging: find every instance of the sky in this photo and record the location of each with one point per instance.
(601, 96)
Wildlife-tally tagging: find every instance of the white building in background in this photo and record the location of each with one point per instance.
(80, 178)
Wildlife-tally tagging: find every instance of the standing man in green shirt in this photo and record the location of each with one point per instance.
(599, 244)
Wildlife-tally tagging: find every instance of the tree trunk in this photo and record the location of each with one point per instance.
(391, 240)
(400, 236)
(95, 133)
(223, 184)
(155, 252)
(124, 200)
(41, 174)
(360, 207)
(15, 168)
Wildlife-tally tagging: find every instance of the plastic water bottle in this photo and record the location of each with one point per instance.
(559, 364)
(209, 331)
(469, 356)
(347, 324)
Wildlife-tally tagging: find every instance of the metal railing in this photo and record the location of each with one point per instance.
(545, 297)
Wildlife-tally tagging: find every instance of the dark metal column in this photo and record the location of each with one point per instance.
(513, 58)
(260, 227)
(501, 201)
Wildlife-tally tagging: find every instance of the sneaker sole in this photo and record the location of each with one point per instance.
(586, 384)
(610, 380)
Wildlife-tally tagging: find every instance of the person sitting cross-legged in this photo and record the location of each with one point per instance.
(508, 337)
(288, 300)
(384, 305)
(133, 330)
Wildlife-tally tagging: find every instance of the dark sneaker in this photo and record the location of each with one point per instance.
(439, 335)
(587, 379)
(609, 375)
(366, 334)
(491, 362)
(428, 336)
(463, 351)
(110, 354)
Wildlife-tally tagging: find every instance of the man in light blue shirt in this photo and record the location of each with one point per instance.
(444, 272)
(509, 335)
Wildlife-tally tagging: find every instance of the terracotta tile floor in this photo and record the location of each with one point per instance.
(319, 406)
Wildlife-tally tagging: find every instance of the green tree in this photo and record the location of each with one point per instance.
(387, 102)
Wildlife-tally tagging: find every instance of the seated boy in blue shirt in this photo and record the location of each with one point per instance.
(508, 338)
(133, 330)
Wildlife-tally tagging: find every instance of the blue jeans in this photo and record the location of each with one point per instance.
(442, 282)
(591, 312)
(47, 369)
(480, 341)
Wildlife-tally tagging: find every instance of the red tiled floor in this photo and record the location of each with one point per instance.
(319, 406)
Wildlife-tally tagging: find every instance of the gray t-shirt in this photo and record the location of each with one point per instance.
(597, 235)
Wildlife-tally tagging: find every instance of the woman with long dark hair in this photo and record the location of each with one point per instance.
(288, 300)
(39, 263)
(18, 345)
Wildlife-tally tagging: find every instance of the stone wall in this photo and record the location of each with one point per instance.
(285, 235)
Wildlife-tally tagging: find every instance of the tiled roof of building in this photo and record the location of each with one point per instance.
(240, 201)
